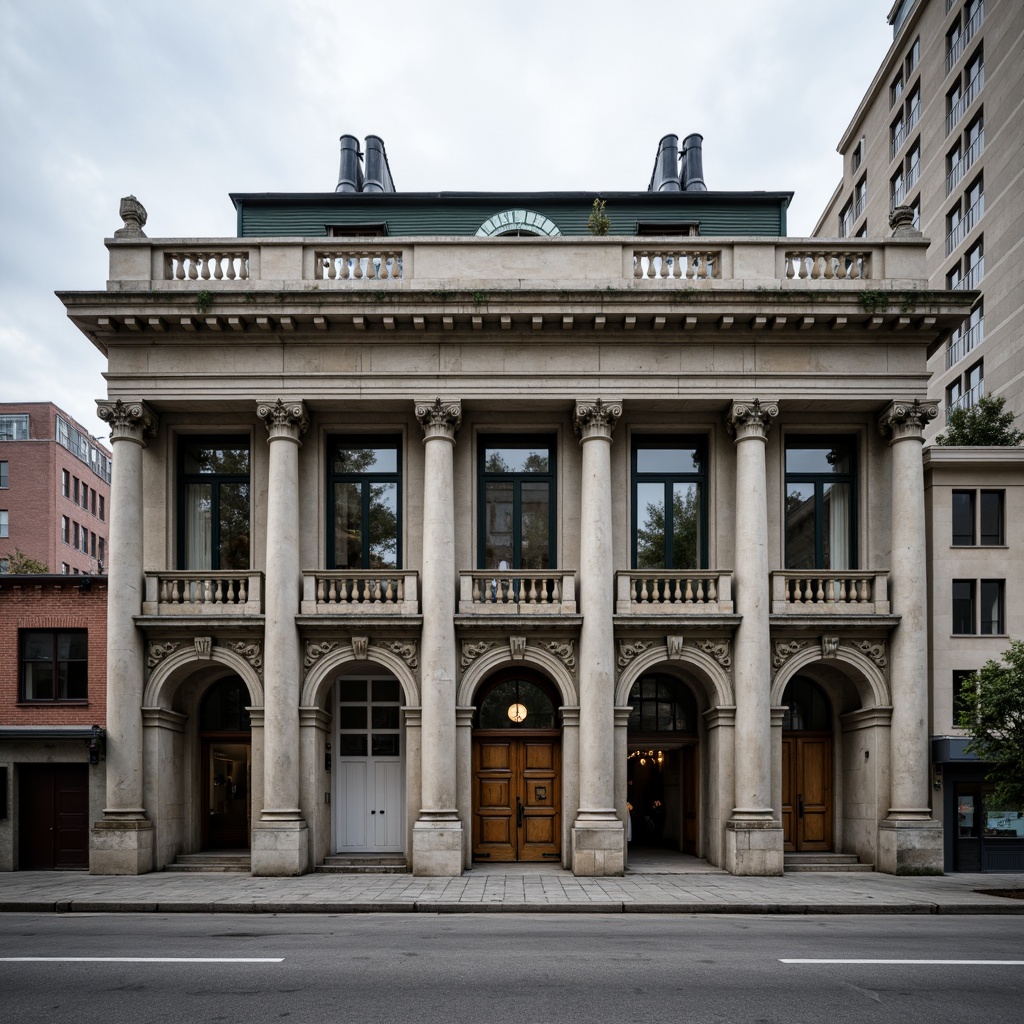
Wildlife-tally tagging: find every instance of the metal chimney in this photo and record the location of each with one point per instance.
(378, 174)
(350, 175)
(666, 166)
(693, 164)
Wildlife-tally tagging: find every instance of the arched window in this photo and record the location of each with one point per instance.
(224, 707)
(660, 703)
(807, 708)
(514, 702)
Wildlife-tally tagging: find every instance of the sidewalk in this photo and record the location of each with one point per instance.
(503, 888)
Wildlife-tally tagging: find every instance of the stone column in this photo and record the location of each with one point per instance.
(909, 840)
(122, 841)
(753, 841)
(280, 842)
(597, 835)
(437, 834)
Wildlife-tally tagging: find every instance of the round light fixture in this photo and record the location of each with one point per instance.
(517, 712)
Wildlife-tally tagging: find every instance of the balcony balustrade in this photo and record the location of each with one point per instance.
(203, 592)
(517, 592)
(963, 341)
(818, 592)
(673, 592)
(360, 592)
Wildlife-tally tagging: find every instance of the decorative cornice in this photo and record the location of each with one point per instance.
(316, 649)
(563, 650)
(628, 651)
(751, 419)
(251, 650)
(283, 419)
(904, 420)
(405, 649)
(596, 419)
(129, 421)
(439, 419)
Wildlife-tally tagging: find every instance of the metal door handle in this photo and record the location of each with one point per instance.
(382, 810)
(800, 810)
(519, 813)
(373, 812)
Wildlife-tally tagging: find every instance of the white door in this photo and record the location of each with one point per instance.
(368, 805)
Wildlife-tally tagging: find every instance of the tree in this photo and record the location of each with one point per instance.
(652, 534)
(992, 712)
(20, 564)
(984, 424)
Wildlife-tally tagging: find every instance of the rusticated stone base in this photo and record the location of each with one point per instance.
(121, 847)
(598, 848)
(437, 848)
(753, 847)
(280, 848)
(910, 847)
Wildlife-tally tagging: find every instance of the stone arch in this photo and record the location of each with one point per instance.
(321, 675)
(712, 676)
(866, 677)
(527, 221)
(537, 658)
(178, 666)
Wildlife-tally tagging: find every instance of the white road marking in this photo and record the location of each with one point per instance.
(999, 963)
(142, 959)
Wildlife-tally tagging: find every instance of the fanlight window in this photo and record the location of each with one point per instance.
(661, 704)
(516, 704)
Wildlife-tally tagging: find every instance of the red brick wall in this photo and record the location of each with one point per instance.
(43, 602)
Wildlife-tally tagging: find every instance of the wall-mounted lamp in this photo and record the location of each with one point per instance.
(97, 744)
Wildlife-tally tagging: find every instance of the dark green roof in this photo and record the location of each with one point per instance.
(312, 214)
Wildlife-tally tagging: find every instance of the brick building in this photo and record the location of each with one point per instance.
(53, 637)
(54, 489)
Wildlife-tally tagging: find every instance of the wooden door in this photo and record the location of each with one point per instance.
(53, 817)
(516, 798)
(807, 792)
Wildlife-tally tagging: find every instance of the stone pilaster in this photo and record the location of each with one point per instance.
(909, 840)
(753, 836)
(597, 835)
(122, 841)
(437, 837)
(280, 844)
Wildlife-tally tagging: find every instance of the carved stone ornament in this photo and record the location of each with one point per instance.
(132, 421)
(596, 419)
(439, 418)
(751, 419)
(251, 650)
(907, 419)
(283, 416)
(159, 651)
(785, 649)
(517, 647)
(406, 650)
(718, 649)
(628, 651)
(563, 650)
(674, 644)
(360, 645)
(316, 649)
(204, 647)
(829, 646)
(470, 651)
(901, 220)
(874, 649)
(133, 213)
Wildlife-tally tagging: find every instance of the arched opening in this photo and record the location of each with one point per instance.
(517, 783)
(807, 809)
(225, 742)
(661, 765)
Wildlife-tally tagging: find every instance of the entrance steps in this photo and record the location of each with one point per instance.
(365, 864)
(212, 860)
(823, 862)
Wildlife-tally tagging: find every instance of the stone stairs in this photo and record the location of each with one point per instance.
(823, 862)
(212, 860)
(365, 864)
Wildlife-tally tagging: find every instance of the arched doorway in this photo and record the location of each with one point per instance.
(661, 765)
(517, 772)
(225, 741)
(806, 768)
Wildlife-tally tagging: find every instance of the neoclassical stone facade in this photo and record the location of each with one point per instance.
(487, 548)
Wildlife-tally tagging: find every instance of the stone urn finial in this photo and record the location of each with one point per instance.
(901, 220)
(133, 213)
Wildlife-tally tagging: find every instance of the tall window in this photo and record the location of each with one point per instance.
(821, 502)
(992, 607)
(54, 664)
(65, 483)
(517, 501)
(364, 489)
(213, 478)
(963, 607)
(669, 503)
(4, 524)
(3, 474)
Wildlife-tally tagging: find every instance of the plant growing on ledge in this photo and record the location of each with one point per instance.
(203, 301)
(598, 222)
(20, 564)
(983, 425)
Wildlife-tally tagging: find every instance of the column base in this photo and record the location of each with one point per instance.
(121, 846)
(280, 848)
(598, 845)
(437, 845)
(753, 847)
(910, 847)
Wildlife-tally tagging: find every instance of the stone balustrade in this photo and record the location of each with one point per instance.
(369, 264)
(673, 592)
(818, 592)
(206, 266)
(360, 592)
(203, 592)
(838, 264)
(517, 591)
(676, 262)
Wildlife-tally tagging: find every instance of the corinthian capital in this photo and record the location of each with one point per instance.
(751, 419)
(283, 419)
(904, 420)
(439, 419)
(129, 421)
(596, 419)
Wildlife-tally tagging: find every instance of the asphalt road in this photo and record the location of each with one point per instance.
(508, 969)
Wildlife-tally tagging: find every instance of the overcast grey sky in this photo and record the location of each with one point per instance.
(181, 103)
